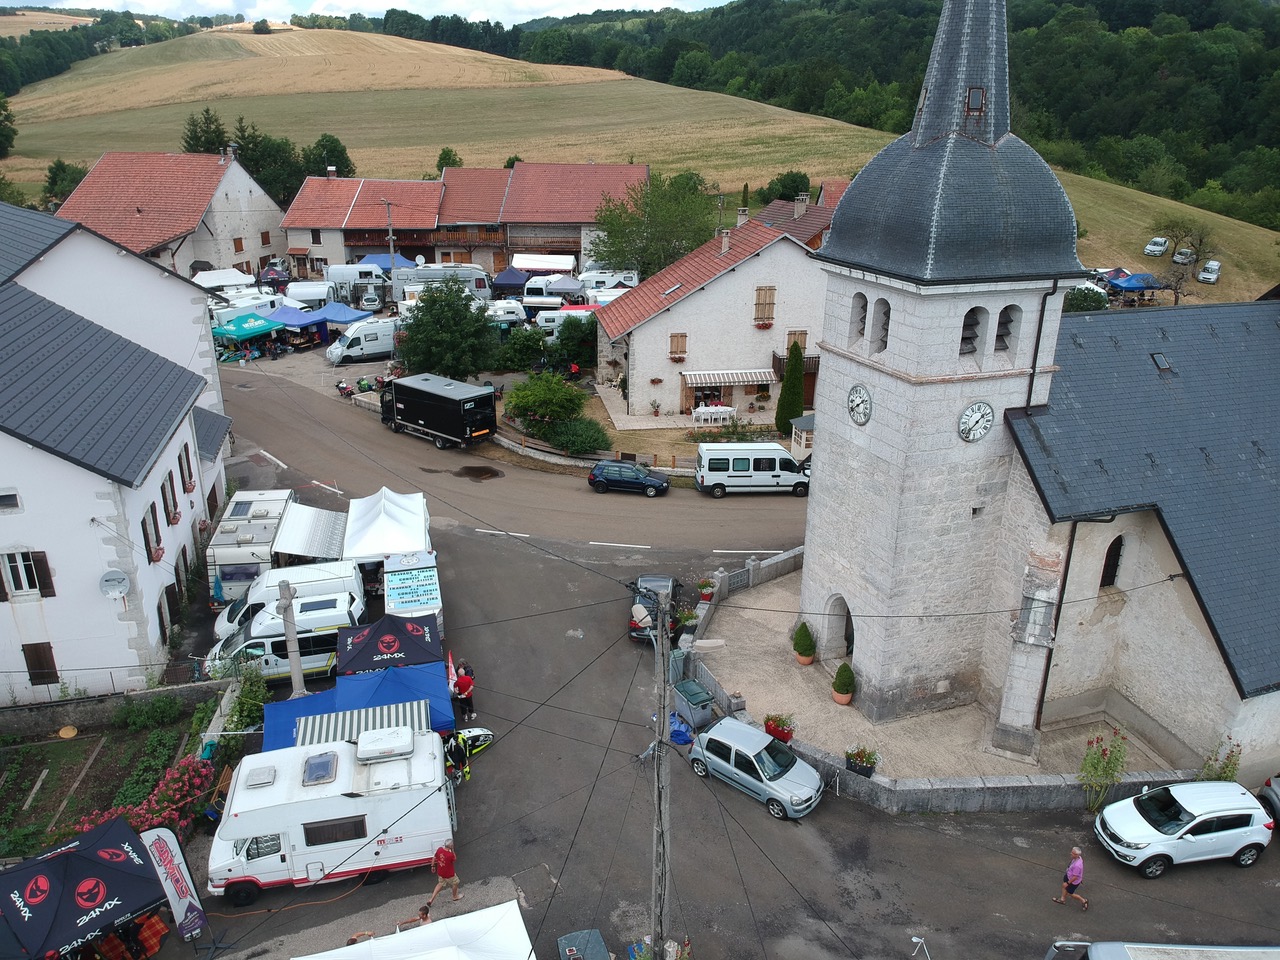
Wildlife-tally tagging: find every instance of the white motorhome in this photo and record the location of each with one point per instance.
(607, 279)
(307, 580)
(351, 280)
(261, 644)
(240, 548)
(749, 468)
(370, 339)
(473, 277)
(314, 293)
(329, 811)
(242, 305)
(598, 298)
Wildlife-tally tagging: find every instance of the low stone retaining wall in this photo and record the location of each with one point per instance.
(45, 719)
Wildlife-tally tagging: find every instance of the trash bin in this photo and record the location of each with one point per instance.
(694, 703)
(675, 667)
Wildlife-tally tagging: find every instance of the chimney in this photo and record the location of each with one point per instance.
(233, 150)
(802, 204)
(744, 214)
(724, 241)
(331, 172)
(222, 156)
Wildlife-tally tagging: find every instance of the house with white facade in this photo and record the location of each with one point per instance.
(112, 436)
(185, 211)
(714, 328)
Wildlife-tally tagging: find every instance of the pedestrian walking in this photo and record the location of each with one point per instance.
(446, 874)
(1072, 879)
(464, 686)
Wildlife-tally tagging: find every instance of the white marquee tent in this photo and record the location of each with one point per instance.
(494, 933)
(384, 524)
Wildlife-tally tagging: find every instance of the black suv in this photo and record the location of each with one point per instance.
(622, 475)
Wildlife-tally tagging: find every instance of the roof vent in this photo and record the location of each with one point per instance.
(245, 538)
(390, 743)
(260, 512)
(260, 777)
(671, 290)
(228, 528)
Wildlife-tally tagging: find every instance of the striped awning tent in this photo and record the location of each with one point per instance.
(349, 724)
(726, 378)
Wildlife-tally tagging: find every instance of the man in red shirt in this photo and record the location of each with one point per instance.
(465, 686)
(446, 875)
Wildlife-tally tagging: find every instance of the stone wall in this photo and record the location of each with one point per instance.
(46, 719)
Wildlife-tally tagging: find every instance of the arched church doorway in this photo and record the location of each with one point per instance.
(842, 620)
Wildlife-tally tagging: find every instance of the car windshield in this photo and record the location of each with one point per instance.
(236, 607)
(343, 340)
(641, 469)
(775, 759)
(1160, 809)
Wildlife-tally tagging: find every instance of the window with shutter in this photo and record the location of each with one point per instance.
(765, 300)
(679, 343)
(238, 244)
(798, 336)
(42, 670)
(26, 574)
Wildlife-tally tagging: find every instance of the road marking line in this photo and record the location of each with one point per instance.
(501, 533)
(633, 546)
(746, 551)
(324, 486)
(279, 463)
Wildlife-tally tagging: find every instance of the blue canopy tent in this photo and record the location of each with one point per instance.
(360, 692)
(383, 261)
(340, 313)
(510, 279)
(300, 321)
(1137, 281)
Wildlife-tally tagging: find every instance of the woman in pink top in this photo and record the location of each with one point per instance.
(1072, 879)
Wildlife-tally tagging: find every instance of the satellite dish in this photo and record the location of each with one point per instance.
(114, 584)
(420, 260)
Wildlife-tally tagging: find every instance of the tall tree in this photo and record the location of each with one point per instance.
(272, 161)
(791, 396)
(448, 158)
(653, 226)
(10, 193)
(447, 333)
(61, 180)
(785, 186)
(8, 131)
(328, 151)
(203, 133)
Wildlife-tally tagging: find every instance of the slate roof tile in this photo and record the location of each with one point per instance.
(27, 236)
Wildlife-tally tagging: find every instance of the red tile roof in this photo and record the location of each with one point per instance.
(142, 200)
(359, 204)
(566, 192)
(831, 191)
(687, 275)
(473, 195)
(807, 228)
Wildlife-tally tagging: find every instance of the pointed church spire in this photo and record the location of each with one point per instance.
(966, 86)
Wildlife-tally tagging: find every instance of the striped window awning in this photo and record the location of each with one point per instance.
(349, 724)
(727, 378)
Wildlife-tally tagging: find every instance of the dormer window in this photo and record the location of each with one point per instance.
(975, 101)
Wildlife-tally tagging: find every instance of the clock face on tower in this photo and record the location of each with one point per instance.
(859, 404)
(977, 419)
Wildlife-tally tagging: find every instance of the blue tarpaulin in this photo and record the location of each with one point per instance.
(383, 261)
(357, 691)
(340, 313)
(1138, 281)
(295, 319)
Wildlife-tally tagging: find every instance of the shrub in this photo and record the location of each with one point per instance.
(1219, 765)
(147, 768)
(1102, 766)
(802, 641)
(149, 713)
(577, 436)
(844, 681)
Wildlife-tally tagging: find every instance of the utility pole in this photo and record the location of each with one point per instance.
(391, 240)
(285, 610)
(661, 806)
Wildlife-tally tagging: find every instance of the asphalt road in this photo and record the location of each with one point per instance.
(561, 807)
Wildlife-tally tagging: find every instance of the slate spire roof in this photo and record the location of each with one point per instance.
(959, 198)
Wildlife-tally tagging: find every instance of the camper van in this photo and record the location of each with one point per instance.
(240, 548)
(260, 644)
(370, 339)
(241, 305)
(474, 279)
(329, 811)
(314, 293)
(749, 468)
(350, 280)
(598, 298)
(341, 576)
(606, 279)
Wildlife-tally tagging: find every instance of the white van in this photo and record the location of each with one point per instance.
(371, 339)
(261, 643)
(314, 293)
(331, 811)
(475, 281)
(341, 576)
(351, 279)
(749, 468)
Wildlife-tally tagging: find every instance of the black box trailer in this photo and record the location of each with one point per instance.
(446, 411)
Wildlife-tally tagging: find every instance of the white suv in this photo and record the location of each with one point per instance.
(1183, 822)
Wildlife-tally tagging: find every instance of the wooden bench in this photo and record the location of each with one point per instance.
(218, 799)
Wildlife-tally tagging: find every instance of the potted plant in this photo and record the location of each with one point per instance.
(843, 685)
(762, 396)
(780, 725)
(763, 324)
(706, 588)
(803, 644)
(861, 760)
(656, 407)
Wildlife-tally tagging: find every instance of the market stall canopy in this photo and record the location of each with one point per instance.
(359, 702)
(72, 893)
(566, 287)
(544, 262)
(391, 642)
(294, 317)
(494, 933)
(1138, 281)
(384, 524)
(383, 261)
(246, 328)
(335, 312)
(511, 277)
(310, 532)
(221, 279)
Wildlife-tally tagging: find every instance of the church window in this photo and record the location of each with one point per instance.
(880, 327)
(970, 330)
(1111, 565)
(1007, 328)
(858, 319)
(975, 101)
(765, 299)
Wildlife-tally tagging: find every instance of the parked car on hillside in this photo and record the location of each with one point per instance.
(1184, 256)
(1156, 247)
(757, 764)
(1209, 273)
(1184, 822)
(623, 475)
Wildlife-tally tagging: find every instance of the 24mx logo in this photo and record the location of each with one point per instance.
(388, 644)
(90, 892)
(37, 890)
(112, 855)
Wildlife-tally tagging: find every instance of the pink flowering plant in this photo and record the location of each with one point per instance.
(1223, 762)
(175, 803)
(1102, 767)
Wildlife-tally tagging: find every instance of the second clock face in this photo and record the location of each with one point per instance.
(976, 421)
(859, 404)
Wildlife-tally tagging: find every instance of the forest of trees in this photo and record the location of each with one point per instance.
(1179, 98)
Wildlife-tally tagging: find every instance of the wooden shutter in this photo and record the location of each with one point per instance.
(42, 670)
(4, 593)
(43, 577)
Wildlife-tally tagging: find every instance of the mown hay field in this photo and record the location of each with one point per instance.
(395, 103)
(27, 20)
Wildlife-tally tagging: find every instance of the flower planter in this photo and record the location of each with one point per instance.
(175, 518)
(803, 660)
(778, 732)
(764, 326)
(706, 594)
(189, 486)
(157, 554)
(844, 699)
(861, 769)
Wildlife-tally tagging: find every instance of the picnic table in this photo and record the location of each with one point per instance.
(714, 414)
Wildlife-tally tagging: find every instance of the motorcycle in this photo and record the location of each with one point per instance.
(345, 390)
(363, 385)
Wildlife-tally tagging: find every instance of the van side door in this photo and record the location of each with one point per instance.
(765, 473)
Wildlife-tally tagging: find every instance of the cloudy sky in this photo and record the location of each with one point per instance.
(508, 14)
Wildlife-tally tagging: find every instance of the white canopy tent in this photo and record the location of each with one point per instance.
(221, 279)
(384, 524)
(494, 933)
(310, 532)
